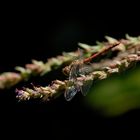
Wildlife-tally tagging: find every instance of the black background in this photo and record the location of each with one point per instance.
(39, 34)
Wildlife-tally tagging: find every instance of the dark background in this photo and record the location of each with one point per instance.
(28, 34)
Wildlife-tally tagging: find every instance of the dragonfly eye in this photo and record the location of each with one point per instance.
(66, 70)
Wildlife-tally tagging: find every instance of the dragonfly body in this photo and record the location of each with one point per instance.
(78, 70)
(77, 73)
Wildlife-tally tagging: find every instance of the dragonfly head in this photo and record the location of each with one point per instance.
(66, 70)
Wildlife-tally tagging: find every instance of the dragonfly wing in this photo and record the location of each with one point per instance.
(85, 69)
(70, 93)
(74, 72)
(86, 87)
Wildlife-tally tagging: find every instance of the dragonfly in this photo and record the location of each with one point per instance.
(79, 68)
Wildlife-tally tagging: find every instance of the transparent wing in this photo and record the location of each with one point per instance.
(74, 72)
(86, 87)
(85, 69)
(70, 92)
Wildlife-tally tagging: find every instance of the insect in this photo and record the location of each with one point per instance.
(78, 70)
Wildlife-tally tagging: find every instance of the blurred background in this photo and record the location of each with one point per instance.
(111, 104)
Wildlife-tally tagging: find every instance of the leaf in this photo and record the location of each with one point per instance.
(85, 46)
(111, 39)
